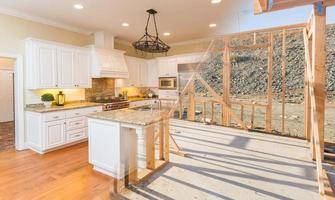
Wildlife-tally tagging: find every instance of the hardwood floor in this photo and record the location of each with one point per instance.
(7, 136)
(63, 174)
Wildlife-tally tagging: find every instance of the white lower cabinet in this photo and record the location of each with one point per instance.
(54, 134)
(53, 130)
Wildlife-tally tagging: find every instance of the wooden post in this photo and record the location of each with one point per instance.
(204, 111)
(167, 139)
(191, 102)
(268, 125)
(212, 111)
(319, 69)
(253, 116)
(161, 140)
(226, 84)
(242, 112)
(181, 110)
(150, 148)
(307, 96)
(283, 72)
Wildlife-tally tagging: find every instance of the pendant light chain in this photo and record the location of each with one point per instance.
(150, 43)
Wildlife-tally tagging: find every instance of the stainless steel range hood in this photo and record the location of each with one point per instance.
(107, 62)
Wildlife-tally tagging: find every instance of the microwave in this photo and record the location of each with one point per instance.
(167, 83)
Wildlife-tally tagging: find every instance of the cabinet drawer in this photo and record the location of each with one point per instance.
(75, 135)
(75, 123)
(92, 110)
(74, 113)
(54, 116)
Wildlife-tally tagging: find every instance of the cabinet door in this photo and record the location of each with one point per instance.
(152, 80)
(143, 74)
(55, 134)
(133, 68)
(66, 64)
(46, 61)
(82, 70)
(167, 68)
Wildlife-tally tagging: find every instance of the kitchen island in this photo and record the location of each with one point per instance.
(122, 143)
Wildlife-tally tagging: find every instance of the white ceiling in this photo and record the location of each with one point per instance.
(184, 19)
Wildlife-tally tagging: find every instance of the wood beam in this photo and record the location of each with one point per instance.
(268, 123)
(283, 71)
(319, 69)
(226, 84)
(262, 6)
(191, 102)
(315, 123)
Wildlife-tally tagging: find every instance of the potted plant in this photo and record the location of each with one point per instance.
(47, 99)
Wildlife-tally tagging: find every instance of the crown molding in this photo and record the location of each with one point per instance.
(195, 41)
(25, 16)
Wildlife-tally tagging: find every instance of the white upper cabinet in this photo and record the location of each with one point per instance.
(66, 64)
(83, 65)
(152, 68)
(138, 73)
(44, 72)
(52, 65)
(167, 67)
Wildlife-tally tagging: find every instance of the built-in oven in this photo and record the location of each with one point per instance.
(168, 83)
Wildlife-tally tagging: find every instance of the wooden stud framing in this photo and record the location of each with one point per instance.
(167, 139)
(283, 72)
(319, 70)
(161, 140)
(315, 139)
(150, 148)
(191, 102)
(268, 123)
(226, 84)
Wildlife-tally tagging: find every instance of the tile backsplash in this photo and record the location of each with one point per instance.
(101, 87)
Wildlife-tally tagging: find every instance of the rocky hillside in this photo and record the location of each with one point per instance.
(249, 68)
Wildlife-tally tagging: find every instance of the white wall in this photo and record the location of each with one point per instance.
(6, 96)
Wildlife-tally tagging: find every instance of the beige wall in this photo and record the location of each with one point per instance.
(14, 30)
(7, 63)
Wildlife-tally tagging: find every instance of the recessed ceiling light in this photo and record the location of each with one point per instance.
(215, 1)
(125, 24)
(212, 25)
(166, 34)
(78, 6)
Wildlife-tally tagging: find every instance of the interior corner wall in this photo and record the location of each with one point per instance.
(13, 32)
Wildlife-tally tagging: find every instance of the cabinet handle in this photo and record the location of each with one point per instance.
(55, 117)
(77, 113)
(77, 123)
(56, 85)
(77, 135)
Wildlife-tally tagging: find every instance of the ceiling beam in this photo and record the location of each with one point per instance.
(261, 6)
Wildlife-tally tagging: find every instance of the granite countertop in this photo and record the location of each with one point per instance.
(40, 108)
(131, 116)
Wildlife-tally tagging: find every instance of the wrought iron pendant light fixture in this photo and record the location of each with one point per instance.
(149, 43)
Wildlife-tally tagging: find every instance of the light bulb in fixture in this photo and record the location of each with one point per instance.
(212, 25)
(125, 24)
(78, 6)
(215, 1)
(166, 34)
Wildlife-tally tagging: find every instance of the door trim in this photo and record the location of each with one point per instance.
(20, 143)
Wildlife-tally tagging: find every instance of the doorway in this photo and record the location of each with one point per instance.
(7, 114)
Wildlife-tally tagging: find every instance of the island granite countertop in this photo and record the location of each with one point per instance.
(70, 106)
(131, 116)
